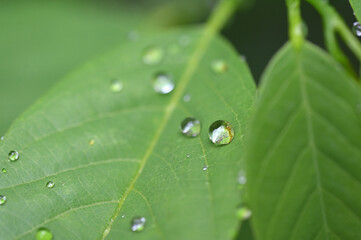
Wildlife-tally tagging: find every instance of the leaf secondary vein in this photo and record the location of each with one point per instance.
(91, 164)
(64, 213)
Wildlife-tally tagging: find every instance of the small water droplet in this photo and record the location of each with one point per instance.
(190, 127)
(13, 155)
(116, 86)
(138, 224)
(50, 184)
(356, 29)
(219, 66)
(163, 83)
(91, 142)
(44, 234)
(2, 200)
(242, 178)
(4, 170)
(221, 132)
(187, 98)
(2, 138)
(184, 40)
(244, 213)
(123, 216)
(153, 55)
(188, 155)
(133, 35)
(205, 168)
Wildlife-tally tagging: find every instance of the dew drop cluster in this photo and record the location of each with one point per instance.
(220, 132)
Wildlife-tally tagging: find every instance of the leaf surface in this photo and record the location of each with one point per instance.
(116, 156)
(304, 150)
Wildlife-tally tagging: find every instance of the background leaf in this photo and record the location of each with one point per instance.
(356, 6)
(304, 149)
(43, 40)
(137, 163)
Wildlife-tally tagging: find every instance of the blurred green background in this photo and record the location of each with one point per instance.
(41, 41)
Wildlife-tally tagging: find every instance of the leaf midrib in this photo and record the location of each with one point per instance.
(311, 139)
(217, 20)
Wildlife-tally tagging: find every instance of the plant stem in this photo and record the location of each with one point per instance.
(221, 13)
(295, 23)
(334, 24)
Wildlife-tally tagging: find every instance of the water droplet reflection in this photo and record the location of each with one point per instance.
(163, 83)
(138, 224)
(44, 234)
(13, 156)
(190, 127)
(221, 132)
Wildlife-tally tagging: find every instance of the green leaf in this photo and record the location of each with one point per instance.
(304, 150)
(356, 6)
(116, 156)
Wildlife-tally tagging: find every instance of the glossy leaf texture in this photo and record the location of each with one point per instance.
(304, 149)
(356, 6)
(117, 153)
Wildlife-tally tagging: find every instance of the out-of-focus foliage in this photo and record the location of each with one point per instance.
(43, 40)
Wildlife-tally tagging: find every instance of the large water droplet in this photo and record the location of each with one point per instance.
(153, 55)
(190, 127)
(44, 234)
(163, 83)
(221, 132)
(50, 184)
(356, 28)
(244, 213)
(138, 224)
(205, 168)
(4, 170)
(116, 86)
(219, 66)
(13, 155)
(2, 200)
